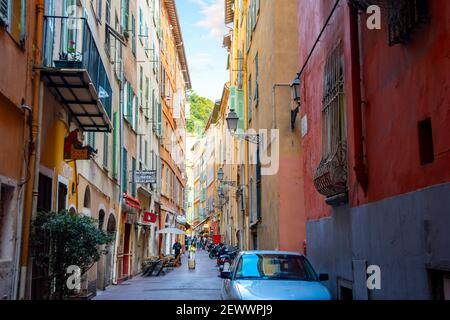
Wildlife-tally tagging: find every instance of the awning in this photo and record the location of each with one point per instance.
(201, 223)
(130, 204)
(76, 91)
(181, 220)
(170, 231)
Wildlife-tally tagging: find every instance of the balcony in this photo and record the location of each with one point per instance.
(330, 178)
(75, 73)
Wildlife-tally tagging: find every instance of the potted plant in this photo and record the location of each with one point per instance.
(62, 242)
(72, 59)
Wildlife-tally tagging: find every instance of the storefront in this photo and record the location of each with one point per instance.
(130, 209)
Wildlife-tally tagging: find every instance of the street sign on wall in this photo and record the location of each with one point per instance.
(145, 176)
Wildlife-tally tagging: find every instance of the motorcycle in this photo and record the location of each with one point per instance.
(214, 253)
(227, 257)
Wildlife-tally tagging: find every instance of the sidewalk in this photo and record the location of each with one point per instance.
(180, 283)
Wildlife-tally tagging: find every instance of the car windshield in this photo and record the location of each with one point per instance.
(275, 267)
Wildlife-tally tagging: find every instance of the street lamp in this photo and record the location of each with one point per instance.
(295, 91)
(232, 120)
(220, 174)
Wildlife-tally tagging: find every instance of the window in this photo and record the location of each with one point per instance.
(133, 35)
(252, 201)
(133, 182)
(405, 16)
(125, 14)
(146, 154)
(105, 150)
(13, 17)
(331, 175)
(45, 193)
(426, 148)
(97, 8)
(108, 11)
(91, 139)
(87, 198)
(275, 267)
(125, 171)
(115, 154)
(333, 117)
(62, 196)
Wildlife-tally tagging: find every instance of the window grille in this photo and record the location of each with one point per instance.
(331, 175)
(404, 16)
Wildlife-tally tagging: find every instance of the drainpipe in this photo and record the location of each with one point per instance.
(119, 213)
(32, 187)
(359, 98)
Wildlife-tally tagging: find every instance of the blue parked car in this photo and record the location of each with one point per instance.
(273, 275)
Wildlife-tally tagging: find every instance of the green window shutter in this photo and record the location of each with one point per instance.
(232, 98)
(136, 111)
(133, 35)
(133, 183)
(129, 102)
(124, 171)
(159, 120)
(115, 145)
(105, 150)
(240, 109)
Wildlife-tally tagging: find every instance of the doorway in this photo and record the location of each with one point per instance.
(111, 229)
(126, 251)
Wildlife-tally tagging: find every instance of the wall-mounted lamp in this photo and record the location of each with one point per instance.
(295, 92)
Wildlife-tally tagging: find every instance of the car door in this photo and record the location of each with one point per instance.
(228, 283)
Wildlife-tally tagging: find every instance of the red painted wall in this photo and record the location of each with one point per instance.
(404, 84)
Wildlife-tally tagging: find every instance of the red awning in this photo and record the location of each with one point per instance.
(132, 202)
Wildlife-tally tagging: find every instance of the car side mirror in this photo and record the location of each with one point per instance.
(324, 277)
(226, 275)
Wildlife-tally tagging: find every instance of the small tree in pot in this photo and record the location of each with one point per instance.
(60, 240)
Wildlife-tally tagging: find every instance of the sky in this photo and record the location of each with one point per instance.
(203, 28)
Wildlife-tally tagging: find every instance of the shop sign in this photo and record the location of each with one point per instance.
(145, 176)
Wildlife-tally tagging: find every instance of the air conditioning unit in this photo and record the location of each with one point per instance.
(4, 13)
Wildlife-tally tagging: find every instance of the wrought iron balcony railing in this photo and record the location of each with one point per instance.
(70, 45)
(330, 178)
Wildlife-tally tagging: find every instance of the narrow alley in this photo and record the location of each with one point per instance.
(180, 283)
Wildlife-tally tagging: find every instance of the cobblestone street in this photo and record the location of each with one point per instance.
(180, 283)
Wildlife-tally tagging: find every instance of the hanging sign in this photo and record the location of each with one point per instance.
(145, 176)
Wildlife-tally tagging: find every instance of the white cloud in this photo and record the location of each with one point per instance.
(213, 17)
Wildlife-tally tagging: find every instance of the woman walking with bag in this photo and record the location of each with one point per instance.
(192, 251)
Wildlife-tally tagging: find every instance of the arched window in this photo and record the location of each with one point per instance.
(111, 226)
(87, 198)
(101, 219)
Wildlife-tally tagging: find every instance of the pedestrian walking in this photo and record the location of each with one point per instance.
(192, 251)
(177, 248)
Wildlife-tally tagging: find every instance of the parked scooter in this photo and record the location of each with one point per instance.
(214, 253)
